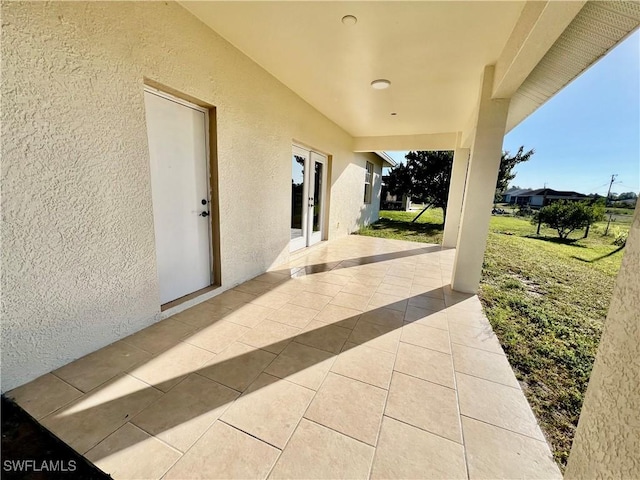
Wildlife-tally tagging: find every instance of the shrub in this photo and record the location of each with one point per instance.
(620, 237)
(524, 211)
(565, 216)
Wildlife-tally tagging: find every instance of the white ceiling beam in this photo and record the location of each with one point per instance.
(429, 141)
(539, 26)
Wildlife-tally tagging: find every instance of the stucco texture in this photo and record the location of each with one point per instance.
(607, 441)
(78, 258)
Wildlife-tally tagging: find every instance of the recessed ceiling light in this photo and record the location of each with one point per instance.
(349, 20)
(381, 84)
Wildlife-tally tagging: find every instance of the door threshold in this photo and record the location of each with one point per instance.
(186, 298)
(301, 252)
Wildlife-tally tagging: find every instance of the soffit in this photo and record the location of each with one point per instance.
(596, 29)
(433, 53)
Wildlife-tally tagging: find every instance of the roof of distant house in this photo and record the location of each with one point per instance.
(388, 161)
(552, 193)
(518, 192)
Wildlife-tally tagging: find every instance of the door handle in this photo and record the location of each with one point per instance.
(203, 214)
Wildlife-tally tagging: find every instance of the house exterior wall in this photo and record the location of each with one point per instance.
(78, 256)
(536, 201)
(371, 211)
(607, 439)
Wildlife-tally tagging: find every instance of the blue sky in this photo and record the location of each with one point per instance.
(588, 131)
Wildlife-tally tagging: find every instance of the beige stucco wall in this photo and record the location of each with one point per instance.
(607, 441)
(368, 213)
(78, 260)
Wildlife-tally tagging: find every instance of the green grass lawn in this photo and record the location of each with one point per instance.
(397, 225)
(620, 211)
(546, 300)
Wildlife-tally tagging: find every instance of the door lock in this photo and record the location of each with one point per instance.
(203, 214)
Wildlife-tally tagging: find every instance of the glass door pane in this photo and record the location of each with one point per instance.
(317, 197)
(317, 185)
(300, 170)
(297, 196)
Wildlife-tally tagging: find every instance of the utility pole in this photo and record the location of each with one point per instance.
(544, 199)
(613, 177)
(606, 203)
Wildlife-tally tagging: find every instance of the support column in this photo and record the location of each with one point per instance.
(456, 193)
(607, 439)
(482, 176)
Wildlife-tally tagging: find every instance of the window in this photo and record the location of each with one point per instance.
(368, 182)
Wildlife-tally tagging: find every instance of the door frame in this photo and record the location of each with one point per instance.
(308, 237)
(211, 167)
(315, 237)
(301, 242)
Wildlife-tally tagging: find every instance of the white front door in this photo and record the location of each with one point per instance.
(178, 139)
(308, 187)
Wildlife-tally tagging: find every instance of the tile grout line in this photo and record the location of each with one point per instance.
(249, 434)
(404, 422)
(152, 436)
(386, 400)
(216, 382)
(424, 379)
(339, 432)
(94, 388)
(476, 348)
(509, 430)
(406, 322)
(358, 380)
(315, 393)
(83, 454)
(492, 381)
(427, 348)
(455, 385)
(219, 419)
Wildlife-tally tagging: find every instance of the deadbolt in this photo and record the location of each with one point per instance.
(204, 214)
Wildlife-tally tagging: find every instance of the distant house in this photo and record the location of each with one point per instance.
(545, 196)
(626, 202)
(511, 196)
(392, 202)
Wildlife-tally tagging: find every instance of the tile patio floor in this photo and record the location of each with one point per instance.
(354, 361)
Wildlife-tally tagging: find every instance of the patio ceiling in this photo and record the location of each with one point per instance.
(432, 52)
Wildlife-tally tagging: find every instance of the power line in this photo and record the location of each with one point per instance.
(613, 177)
(593, 189)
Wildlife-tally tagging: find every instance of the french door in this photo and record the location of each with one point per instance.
(178, 142)
(308, 187)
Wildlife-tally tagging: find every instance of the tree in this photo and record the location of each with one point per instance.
(627, 196)
(596, 214)
(565, 216)
(425, 178)
(507, 163)
(426, 175)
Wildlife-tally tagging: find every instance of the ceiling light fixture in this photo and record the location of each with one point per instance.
(349, 20)
(381, 84)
